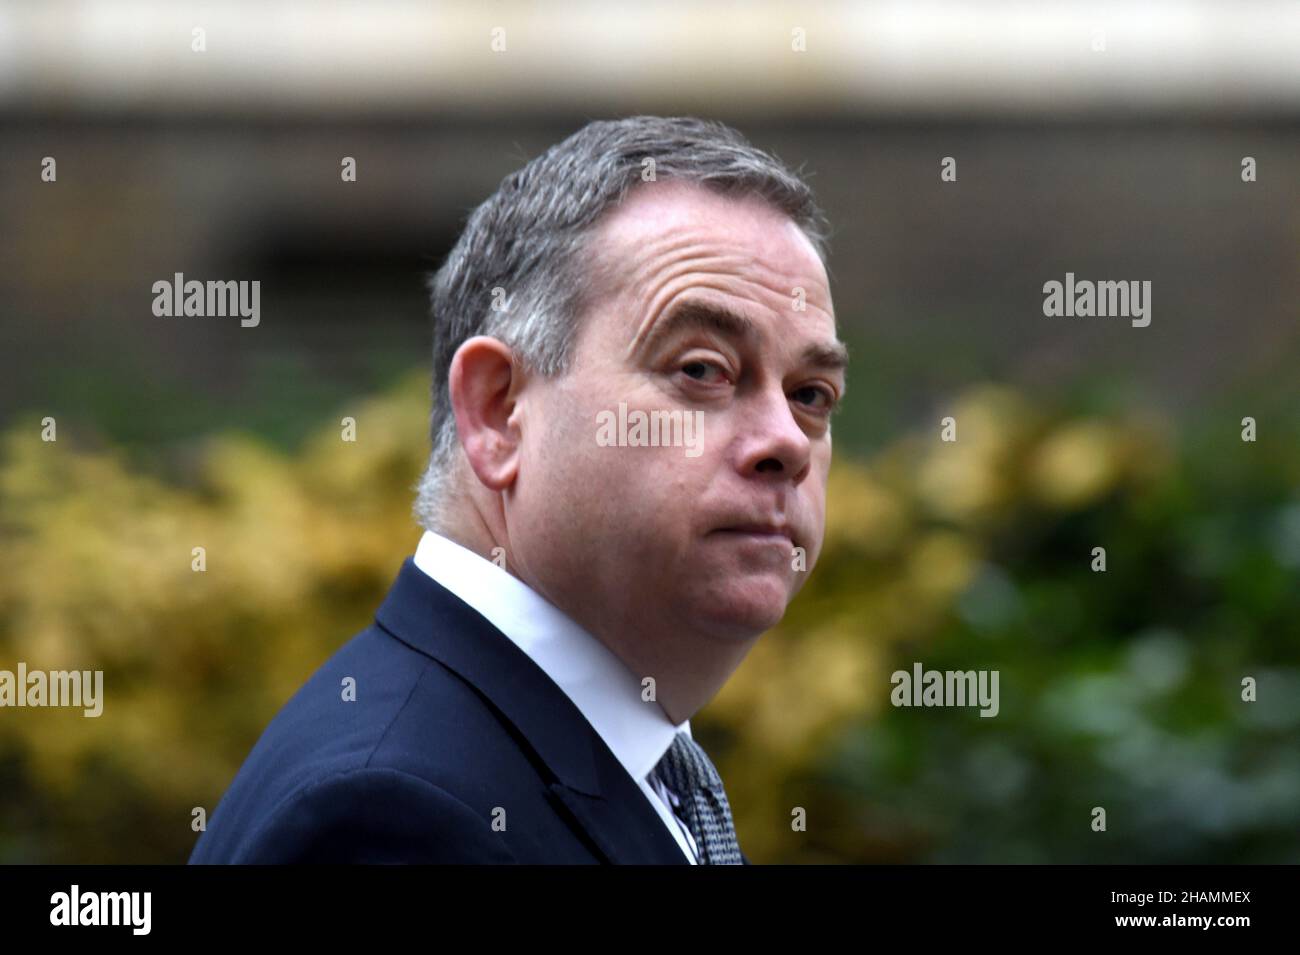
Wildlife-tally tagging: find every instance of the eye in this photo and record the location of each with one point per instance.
(809, 394)
(699, 370)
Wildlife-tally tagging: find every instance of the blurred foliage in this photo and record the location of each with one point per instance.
(1118, 689)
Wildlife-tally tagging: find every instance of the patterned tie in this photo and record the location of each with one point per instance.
(689, 773)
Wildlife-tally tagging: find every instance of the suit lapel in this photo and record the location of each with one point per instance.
(586, 782)
(605, 824)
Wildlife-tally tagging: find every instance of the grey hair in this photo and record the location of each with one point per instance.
(524, 248)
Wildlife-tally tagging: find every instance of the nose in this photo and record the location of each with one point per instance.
(773, 445)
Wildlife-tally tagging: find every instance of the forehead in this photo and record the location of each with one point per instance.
(668, 230)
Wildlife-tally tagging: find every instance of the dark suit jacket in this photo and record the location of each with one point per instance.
(451, 722)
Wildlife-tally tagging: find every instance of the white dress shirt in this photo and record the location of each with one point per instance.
(599, 684)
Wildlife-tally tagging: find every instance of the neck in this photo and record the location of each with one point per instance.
(688, 667)
(469, 529)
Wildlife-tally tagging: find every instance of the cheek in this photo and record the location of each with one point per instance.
(568, 476)
(655, 487)
(630, 504)
(816, 502)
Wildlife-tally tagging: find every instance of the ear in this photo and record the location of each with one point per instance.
(484, 383)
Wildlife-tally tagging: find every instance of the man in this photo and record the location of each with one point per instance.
(635, 364)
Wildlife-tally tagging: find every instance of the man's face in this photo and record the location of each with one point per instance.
(694, 310)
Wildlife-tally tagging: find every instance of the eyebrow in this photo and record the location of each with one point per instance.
(692, 314)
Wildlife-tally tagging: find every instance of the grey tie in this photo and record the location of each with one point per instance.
(689, 773)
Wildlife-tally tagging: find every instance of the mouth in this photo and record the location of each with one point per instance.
(771, 534)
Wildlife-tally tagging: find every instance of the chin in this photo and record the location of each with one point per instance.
(744, 610)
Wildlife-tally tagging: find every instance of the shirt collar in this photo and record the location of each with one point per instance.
(599, 684)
